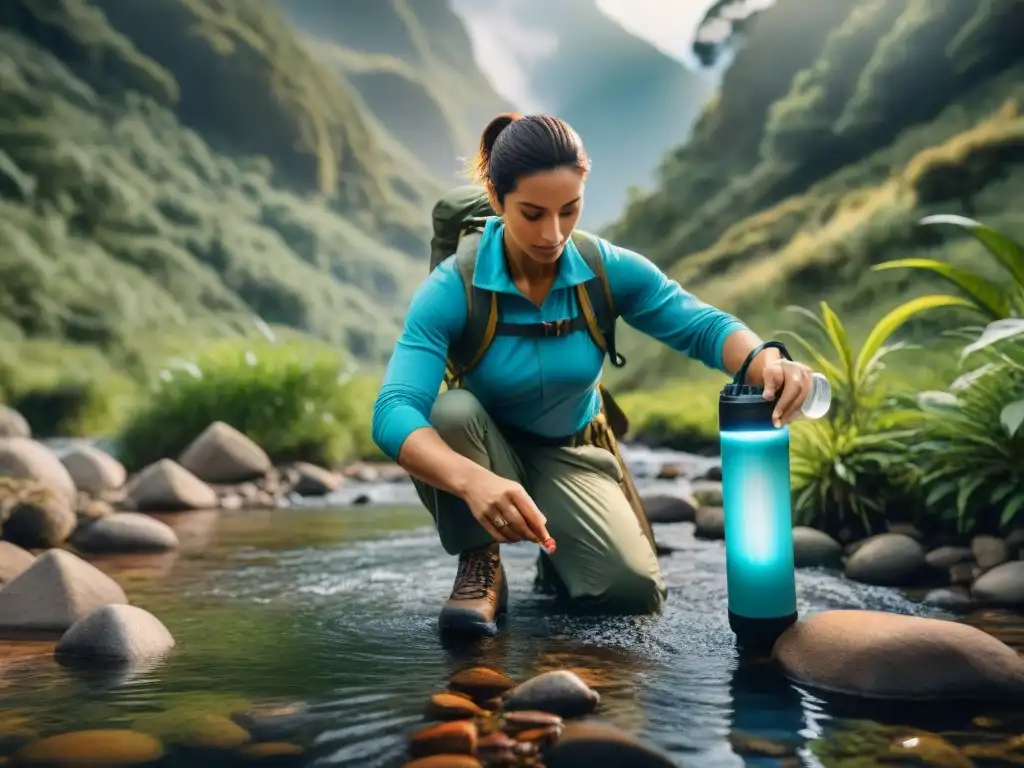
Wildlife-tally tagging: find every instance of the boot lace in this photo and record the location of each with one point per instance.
(475, 576)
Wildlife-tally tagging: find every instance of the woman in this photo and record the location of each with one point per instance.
(494, 460)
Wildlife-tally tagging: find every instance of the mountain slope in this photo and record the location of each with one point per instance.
(412, 65)
(834, 130)
(179, 166)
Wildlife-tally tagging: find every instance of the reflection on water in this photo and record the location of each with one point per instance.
(337, 608)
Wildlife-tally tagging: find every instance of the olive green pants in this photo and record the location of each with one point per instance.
(602, 558)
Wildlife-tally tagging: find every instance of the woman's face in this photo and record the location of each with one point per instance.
(542, 211)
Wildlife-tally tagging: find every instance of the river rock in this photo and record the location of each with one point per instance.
(813, 548)
(166, 486)
(593, 743)
(1003, 585)
(559, 692)
(273, 722)
(54, 592)
(989, 551)
(891, 656)
(888, 560)
(708, 493)
(125, 532)
(312, 480)
(100, 747)
(93, 471)
(481, 682)
(947, 557)
(670, 509)
(13, 424)
(13, 560)
(120, 633)
(710, 523)
(25, 459)
(458, 737)
(42, 519)
(451, 706)
(222, 454)
(950, 598)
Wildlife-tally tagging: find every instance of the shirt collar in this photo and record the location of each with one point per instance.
(492, 274)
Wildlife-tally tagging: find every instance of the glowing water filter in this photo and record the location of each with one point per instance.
(761, 579)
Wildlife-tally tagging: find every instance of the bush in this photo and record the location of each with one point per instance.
(970, 447)
(298, 400)
(681, 416)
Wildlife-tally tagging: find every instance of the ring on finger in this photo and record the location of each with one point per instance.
(500, 522)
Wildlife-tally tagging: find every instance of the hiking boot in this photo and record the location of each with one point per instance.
(479, 596)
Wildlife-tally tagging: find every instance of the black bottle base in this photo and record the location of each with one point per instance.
(759, 635)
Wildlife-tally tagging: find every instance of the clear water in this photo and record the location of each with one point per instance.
(336, 608)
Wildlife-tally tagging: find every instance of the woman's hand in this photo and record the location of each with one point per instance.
(791, 382)
(505, 510)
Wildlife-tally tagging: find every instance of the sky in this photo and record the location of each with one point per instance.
(502, 43)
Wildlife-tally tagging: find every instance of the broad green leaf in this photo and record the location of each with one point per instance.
(888, 325)
(1012, 416)
(1002, 491)
(994, 333)
(988, 297)
(939, 492)
(967, 487)
(839, 338)
(1012, 507)
(822, 363)
(1009, 252)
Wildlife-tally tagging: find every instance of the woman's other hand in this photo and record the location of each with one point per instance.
(505, 510)
(791, 383)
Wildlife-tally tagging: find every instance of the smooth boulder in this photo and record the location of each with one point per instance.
(26, 459)
(813, 548)
(670, 509)
(115, 633)
(42, 519)
(166, 486)
(57, 590)
(559, 692)
(311, 480)
(223, 455)
(125, 532)
(886, 560)
(710, 523)
(93, 471)
(13, 561)
(593, 743)
(1003, 585)
(881, 655)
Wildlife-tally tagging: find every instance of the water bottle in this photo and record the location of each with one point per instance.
(819, 399)
(756, 500)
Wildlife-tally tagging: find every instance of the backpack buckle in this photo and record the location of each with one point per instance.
(554, 328)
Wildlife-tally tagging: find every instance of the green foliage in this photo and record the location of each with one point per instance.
(846, 468)
(297, 400)
(969, 444)
(992, 299)
(681, 416)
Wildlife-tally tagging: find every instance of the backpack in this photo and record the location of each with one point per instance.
(459, 219)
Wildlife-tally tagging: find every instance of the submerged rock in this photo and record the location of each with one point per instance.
(54, 592)
(125, 532)
(588, 744)
(273, 722)
(560, 692)
(886, 655)
(887, 560)
(100, 747)
(118, 633)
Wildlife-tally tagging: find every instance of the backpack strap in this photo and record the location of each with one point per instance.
(481, 314)
(595, 298)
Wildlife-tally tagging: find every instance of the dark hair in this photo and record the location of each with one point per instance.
(513, 145)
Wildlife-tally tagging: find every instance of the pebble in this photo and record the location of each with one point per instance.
(100, 747)
(481, 682)
(445, 761)
(458, 737)
(559, 692)
(450, 706)
(526, 719)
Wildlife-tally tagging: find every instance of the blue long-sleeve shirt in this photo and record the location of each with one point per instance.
(545, 386)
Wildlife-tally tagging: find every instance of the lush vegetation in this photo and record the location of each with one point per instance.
(298, 400)
(950, 460)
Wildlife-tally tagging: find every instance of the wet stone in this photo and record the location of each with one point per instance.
(272, 722)
(458, 737)
(524, 720)
(269, 750)
(450, 706)
(929, 749)
(755, 746)
(101, 747)
(540, 736)
(445, 761)
(559, 692)
(497, 749)
(587, 744)
(481, 682)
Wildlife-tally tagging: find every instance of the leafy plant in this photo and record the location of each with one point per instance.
(995, 301)
(298, 401)
(847, 467)
(970, 447)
